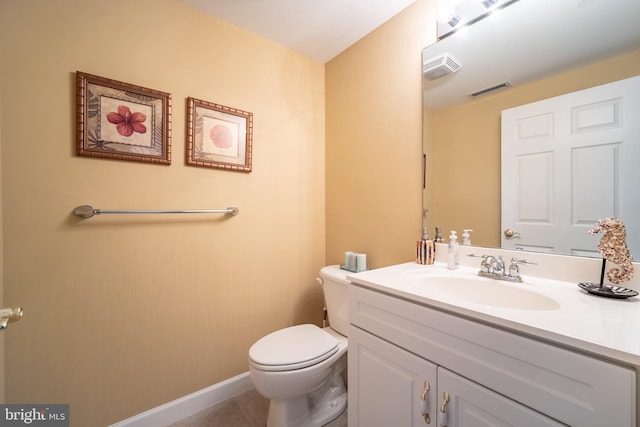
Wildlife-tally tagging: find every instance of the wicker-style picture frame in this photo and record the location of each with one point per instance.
(121, 121)
(218, 136)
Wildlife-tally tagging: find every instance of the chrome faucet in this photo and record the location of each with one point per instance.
(492, 264)
(493, 267)
(486, 265)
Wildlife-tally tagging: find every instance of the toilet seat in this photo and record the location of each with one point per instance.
(293, 348)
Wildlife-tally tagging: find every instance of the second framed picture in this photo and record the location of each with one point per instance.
(218, 136)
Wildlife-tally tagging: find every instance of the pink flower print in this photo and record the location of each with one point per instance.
(221, 136)
(127, 122)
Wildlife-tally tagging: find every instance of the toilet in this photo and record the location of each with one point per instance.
(302, 369)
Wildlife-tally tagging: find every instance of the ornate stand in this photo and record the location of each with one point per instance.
(608, 291)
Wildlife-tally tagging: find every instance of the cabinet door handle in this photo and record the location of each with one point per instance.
(443, 409)
(423, 402)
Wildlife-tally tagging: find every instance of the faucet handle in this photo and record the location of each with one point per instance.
(522, 261)
(514, 270)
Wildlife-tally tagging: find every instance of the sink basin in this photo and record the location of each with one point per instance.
(482, 291)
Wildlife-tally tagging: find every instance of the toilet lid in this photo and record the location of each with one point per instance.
(291, 348)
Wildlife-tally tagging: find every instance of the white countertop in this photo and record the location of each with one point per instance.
(597, 325)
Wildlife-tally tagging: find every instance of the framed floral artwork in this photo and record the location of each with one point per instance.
(218, 136)
(116, 120)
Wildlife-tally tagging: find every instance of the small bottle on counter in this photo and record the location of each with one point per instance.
(452, 256)
(466, 237)
(438, 238)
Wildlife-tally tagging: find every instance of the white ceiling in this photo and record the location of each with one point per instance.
(320, 29)
(532, 40)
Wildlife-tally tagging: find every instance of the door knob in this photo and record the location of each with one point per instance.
(509, 233)
(9, 315)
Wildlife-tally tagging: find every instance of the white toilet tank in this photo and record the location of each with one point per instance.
(334, 285)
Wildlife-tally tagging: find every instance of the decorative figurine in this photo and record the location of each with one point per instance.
(612, 247)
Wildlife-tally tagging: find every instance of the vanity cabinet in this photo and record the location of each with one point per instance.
(492, 376)
(394, 387)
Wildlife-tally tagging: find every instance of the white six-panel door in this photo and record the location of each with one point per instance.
(569, 161)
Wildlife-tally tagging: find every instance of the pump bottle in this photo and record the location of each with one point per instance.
(466, 237)
(452, 256)
(438, 238)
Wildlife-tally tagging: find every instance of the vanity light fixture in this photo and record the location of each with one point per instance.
(489, 4)
(466, 13)
(453, 20)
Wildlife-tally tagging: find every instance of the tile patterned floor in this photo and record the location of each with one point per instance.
(249, 409)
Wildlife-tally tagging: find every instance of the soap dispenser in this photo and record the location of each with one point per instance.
(466, 237)
(452, 256)
(424, 249)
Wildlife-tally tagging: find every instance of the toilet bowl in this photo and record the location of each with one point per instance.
(302, 369)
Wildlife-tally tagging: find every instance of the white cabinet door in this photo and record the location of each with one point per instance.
(470, 404)
(386, 384)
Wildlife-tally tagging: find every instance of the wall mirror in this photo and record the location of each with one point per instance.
(534, 50)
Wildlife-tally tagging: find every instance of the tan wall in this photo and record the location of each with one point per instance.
(373, 145)
(465, 148)
(125, 313)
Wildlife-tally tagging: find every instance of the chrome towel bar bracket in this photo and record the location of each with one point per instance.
(86, 211)
(9, 315)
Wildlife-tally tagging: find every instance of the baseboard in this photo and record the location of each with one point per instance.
(193, 403)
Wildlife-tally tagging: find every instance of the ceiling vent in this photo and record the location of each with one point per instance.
(490, 89)
(439, 67)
